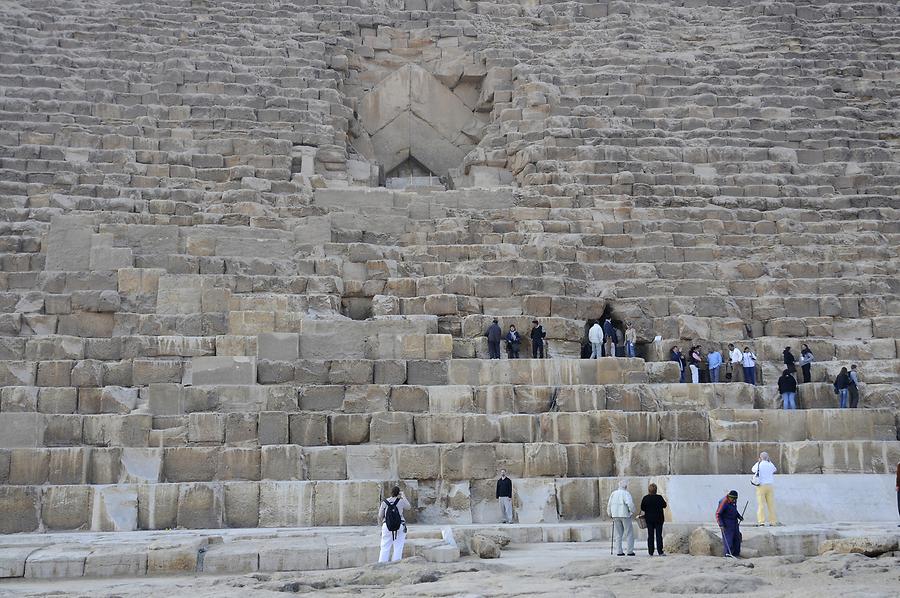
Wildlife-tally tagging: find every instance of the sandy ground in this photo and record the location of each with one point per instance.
(526, 570)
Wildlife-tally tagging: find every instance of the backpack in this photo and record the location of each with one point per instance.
(392, 517)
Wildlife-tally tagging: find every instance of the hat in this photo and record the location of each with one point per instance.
(495, 320)
(534, 321)
(733, 494)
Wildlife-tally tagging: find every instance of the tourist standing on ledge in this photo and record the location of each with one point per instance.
(621, 508)
(728, 517)
(714, 362)
(393, 526)
(609, 337)
(806, 359)
(630, 340)
(653, 506)
(504, 497)
(787, 387)
(749, 363)
(764, 472)
(678, 358)
(789, 361)
(537, 340)
(842, 387)
(854, 387)
(493, 335)
(513, 342)
(696, 360)
(735, 360)
(595, 337)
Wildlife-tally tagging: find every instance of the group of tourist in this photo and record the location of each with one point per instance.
(621, 509)
(513, 340)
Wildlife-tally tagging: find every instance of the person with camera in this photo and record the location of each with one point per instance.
(393, 525)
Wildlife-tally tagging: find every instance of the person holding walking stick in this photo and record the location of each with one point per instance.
(728, 518)
(621, 508)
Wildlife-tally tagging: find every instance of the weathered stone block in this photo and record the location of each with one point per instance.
(223, 370)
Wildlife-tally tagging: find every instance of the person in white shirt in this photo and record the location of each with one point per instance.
(765, 470)
(392, 539)
(735, 359)
(595, 337)
(749, 363)
(621, 508)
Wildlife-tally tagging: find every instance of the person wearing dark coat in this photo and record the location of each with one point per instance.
(678, 358)
(513, 342)
(842, 387)
(504, 497)
(494, 334)
(653, 506)
(787, 387)
(609, 338)
(728, 517)
(537, 340)
(789, 361)
(806, 359)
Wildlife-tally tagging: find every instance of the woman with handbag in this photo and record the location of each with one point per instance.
(653, 515)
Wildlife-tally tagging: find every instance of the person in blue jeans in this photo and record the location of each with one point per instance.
(787, 386)
(714, 362)
(842, 387)
(749, 365)
(630, 339)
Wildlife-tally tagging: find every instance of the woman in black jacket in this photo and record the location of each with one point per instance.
(653, 506)
(789, 360)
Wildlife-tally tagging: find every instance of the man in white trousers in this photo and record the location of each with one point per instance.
(392, 539)
(621, 508)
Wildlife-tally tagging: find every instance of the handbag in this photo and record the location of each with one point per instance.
(754, 481)
(642, 521)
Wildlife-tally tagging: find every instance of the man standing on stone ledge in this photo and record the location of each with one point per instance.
(609, 337)
(494, 334)
(504, 496)
(735, 359)
(537, 340)
(595, 336)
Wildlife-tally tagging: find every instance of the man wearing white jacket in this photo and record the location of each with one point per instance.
(595, 337)
(621, 508)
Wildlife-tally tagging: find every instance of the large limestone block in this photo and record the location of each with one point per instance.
(69, 243)
(468, 461)
(392, 428)
(157, 505)
(19, 509)
(326, 462)
(520, 428)
(223, 370)
(348, 428)
(115, 509)
(57, 561)
(851, 424)
(231, 557)
(295, 554)
(442, 501)
(450, 399)
(481, 428)
(683, 425)
(534, 399)
(12, 560)
(443, 428)
(705, 457)
(418, 462)
(116, 560)
(545, 459)
(22, 429)
(860, 456)
(168, 556)
(582, 398)
(282, 462)
(309, 429)
(344, 556)
(200, 505)
(346, 503)
(495, 399)
(590, 460)
(578, 498)
(238, 464)
(628, 426)
(642, 458)
(510, 457)
(371, 462)
(365, 398)
(179, 294)
(535, 500)
(278, 346)
(286, 504)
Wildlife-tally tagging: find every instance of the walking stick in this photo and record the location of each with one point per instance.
(725, 542)
(612, 536)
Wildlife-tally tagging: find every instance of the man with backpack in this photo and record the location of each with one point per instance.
(393, 525)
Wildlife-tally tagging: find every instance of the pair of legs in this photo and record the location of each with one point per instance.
(596, 350)
(737, 372)
(506, 513)
(844, 394)
(807, 376)
(765, 501)
(750, 375)
(789, 399)
(512, 353)
(731, 536)
(854, 397)
(388, 543)
(610, 347)
(622, 526)
(714, 374)
(655, 531)
(695, 374)
(494, 349)
(537, 351)
(629, 349)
